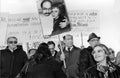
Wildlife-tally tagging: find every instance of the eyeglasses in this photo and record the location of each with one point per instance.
(47, 8)
(11, 42)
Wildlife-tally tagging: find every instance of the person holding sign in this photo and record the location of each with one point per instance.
(71, 56)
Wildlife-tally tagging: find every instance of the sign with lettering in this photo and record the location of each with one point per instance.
(85, 21)
(27, 27)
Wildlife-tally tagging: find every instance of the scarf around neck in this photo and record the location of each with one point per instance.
(105, 69)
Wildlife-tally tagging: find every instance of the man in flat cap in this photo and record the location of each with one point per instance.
(86, 58)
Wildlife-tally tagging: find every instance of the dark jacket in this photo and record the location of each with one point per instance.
(47, 68)
(92, 72)
(12, 62)
(86, 60)
(72, 62)
(56, 27)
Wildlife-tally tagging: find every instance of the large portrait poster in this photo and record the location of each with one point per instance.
(53, 17)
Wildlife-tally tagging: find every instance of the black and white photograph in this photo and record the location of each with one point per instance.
(53, 16)
(59, 38)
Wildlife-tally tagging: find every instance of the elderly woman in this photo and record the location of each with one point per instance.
(104, 68)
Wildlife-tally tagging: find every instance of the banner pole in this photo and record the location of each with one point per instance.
(62, 50)
(81, 39)
(82, 46)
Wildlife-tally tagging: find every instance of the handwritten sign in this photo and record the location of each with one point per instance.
(27, 27)
(85, 21)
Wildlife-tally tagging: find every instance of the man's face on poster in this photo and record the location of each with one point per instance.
(46, 8)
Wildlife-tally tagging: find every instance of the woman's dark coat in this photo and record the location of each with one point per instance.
(45, 69)
(86, 59)
(92, 72)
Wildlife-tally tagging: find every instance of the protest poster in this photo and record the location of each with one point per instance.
(53, 17)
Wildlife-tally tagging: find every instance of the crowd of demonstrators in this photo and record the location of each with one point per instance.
(13, 58)
(103, 68)
(95, 61)
(86, 58)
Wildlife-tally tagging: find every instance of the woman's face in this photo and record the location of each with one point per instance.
(99, 54)
(112, 54)
(55, 12)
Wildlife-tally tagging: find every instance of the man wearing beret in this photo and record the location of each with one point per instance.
(86, 58)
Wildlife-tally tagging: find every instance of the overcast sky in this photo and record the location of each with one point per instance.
(29, 6)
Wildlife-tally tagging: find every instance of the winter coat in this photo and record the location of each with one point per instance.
(94, 72)
(47, 68)
(86, 60)
(12, 62)
(72, 62)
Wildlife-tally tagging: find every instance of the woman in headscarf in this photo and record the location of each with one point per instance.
(104, 68)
